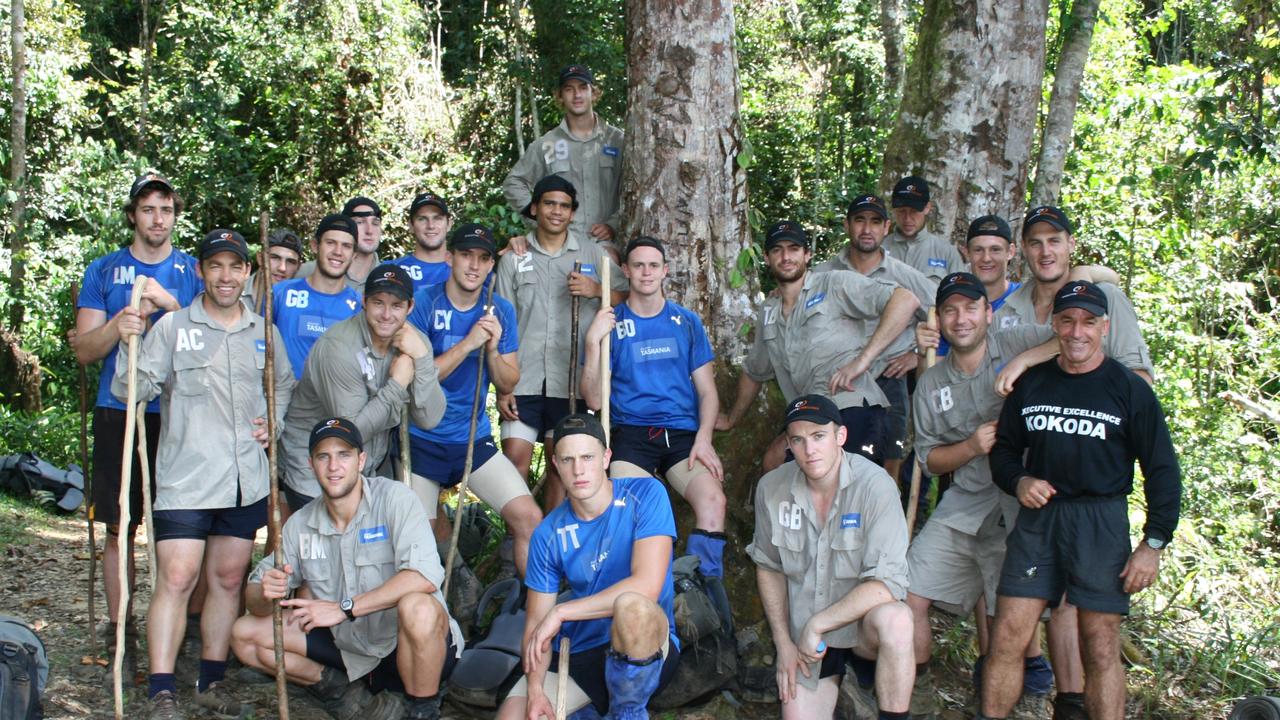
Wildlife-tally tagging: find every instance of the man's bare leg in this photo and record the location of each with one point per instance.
(1104, 689)
(424, 625)
(886, 634)
(1015, 624)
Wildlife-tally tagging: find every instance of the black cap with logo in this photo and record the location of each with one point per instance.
(912, 192)
(149, 180)
(1047, 214)
(785, 231)
(473, 236)
(993, 225)
(223, 240)
(576, 72)
(960, 283)
(335, 221)
(389, 278)
(1081, 294)
(578, 424)
(813, 408)
(422, 200)
(867, 202)
(645, 241)
(336, 427)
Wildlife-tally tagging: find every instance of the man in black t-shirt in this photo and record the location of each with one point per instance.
(1079, 422)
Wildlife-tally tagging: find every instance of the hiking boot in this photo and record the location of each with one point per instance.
(164, 706)
(219, 700)
(1031, 706)
(350, 702)
(924, 698)
(1069, 708)
(386, 705)
(425, 708)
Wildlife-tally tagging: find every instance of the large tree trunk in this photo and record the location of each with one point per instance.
(895, 52)
(18, 168)
(969, 107)
(681, 184)
(1055, 140)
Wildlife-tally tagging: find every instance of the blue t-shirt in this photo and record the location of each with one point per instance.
(944, 347)
(303, 314)
(424, 274)
(592, 555)
(108, 285)
(652, 360)
(445, 326)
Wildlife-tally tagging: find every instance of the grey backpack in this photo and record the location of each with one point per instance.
(24, 670)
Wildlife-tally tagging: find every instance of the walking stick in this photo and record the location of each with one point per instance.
(605, 349)
(575, 315)
(913, 497)
(405, 459)
(126, 477)
(562, 679)
(144, 464)
(88, 480)
(471, 449)
(273, 518)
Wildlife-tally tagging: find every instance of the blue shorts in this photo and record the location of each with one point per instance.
(384, 676)
(242, 522)
(653, 449)
(444, 462)
(542, 413)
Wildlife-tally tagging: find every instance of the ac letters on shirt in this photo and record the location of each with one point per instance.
(189, 339)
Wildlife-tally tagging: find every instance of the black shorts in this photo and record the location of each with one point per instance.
(1075, 546)
(386, 675)
(444, 463)
(655, 450)
(834, 663)
(243, 522)
(866, 432)
(108, 447)
(587, 670)
(895, 425)
(294, 498)
(542, 413)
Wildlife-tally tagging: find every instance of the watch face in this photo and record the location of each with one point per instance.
(1154, 544)
(346, 605)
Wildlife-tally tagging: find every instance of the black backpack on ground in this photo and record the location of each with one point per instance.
(708, 655)
(24, 670)
(26, 474)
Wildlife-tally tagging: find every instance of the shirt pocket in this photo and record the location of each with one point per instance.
(846, 554)
(191, 373)
(792, 549)
(375, 564)
(317, 574)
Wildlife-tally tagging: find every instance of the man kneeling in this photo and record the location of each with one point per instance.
(374, 613)
(611, 541)
(830, 549)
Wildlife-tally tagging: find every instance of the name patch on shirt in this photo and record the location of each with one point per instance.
(588, 269)
(612, 151)
(815, 300)
(850, 520)
(260, 345)
(937, 262)
(312, 326)
(657, 349)
(373, 534)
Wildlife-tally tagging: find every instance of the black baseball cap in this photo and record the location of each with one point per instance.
(285, 238)
(576, 72)
(813, 408)
(550, 183)
(867, 202)
(334, 221)
(1047, 214)
(1081, 294)
(578, 424)
(911, 191)
(989, 225)
(428, 198)
(645, 241)
(473, 236)
(149, 180)
(389, 278)
(223, 240)
(960, 283)
(785, 230)
(350, 208)
(336, 427)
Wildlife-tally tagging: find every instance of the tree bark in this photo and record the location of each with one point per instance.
(1055, 139)
(894, 52)
(18, 168)
(969, 108)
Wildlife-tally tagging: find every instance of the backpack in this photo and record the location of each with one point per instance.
(24, 670)
(29, 475)
(490, 667)
(708, 656)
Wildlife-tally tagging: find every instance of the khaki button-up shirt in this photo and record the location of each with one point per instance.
(211, 380)
(827, 328)
(863, 537)
(593, 165)
(388, 533)
(537, 284)
(930, 254)
(345, 377)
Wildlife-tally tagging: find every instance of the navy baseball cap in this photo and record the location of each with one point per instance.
(785, 230)
(576, 72)
(989, 225)
(960, 283)
(911, 191)
(285, 238)
(425, 199)
(1081, 294)
(223, 240)
(473, 236)
(645, 241)
(389, 278)
(334, 221)
(1047, 214)
(336, 427)
(813, 408)
(550, 183)
(149, 180)
(867, 202)
(578, 424)
(350, 208)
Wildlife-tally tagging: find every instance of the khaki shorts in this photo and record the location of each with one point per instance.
(496, 483)
(954, 569)
(678, 477)
(576, 697)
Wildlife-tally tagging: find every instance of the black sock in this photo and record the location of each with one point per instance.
(886, 715)
(1070, 698)
(211, 671)
(922, 668)
(864, 670)
(159, 682)
(422, 704)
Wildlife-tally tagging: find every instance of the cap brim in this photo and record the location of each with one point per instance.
(971, 293)
(808, 416)
(786, 237)
(1043, 219)
(1088, 305)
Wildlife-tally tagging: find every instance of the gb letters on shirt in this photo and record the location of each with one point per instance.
(942, 400)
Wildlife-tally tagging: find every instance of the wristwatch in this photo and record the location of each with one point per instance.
(348, 606)
(1153, 543)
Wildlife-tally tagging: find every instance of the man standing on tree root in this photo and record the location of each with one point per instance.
(910, 241)
(1065, 446)
(610, 541)
(830, 549)
(211, 474)
(814, 338)
(664, 403)
(151, 212)
(374, 618)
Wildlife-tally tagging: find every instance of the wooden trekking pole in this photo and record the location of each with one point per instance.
(605, 349)
(88, 481)
(575, 316)
(126, 478)
(562, 679)
(913, 496)
(144, 464)
(405, 458)
(471, 451)
(273, 516)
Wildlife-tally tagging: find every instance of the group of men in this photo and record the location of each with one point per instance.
(363, 345)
